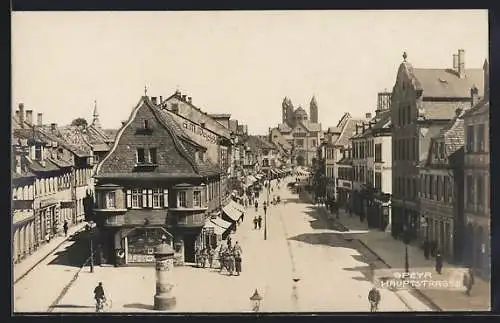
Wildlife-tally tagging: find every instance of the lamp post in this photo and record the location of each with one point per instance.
(91, 225)
(406, 240)
(256, 300)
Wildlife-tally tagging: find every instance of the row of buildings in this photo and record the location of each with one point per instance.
(171, 174)
(52, 170)
(420, 166)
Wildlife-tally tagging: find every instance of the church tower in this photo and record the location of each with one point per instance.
(284, 110)
(95, 121)
(313, 110)
(290, 115)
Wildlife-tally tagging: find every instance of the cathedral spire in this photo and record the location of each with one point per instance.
(95, 121)
(313, 110)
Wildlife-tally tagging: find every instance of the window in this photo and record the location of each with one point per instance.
(136, 198)
(480, 191)
(197, 199)
(141, 158)
(158, 198)
(378, 153)
(445, 188)
(432, 190)
(480, 138)
(378, 181)
(470, 139)
(152, 156)
(146, 124)
(314, 142)
(441, 150)
(181, 199)
(470, 190)
(110, 200)
(439, 188)
(38, 152)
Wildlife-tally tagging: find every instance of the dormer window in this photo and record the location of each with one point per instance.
(147, 156)
(141, 158)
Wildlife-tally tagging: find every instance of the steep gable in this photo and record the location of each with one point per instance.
(172, 157)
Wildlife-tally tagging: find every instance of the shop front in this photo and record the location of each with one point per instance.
(47, 220)
(141, 242)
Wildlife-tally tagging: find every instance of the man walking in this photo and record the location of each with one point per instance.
(439, 262)
(468, 281)
(255, 222)
(65, 228)
(259, 221)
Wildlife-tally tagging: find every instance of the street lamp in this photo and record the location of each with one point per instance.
(256, 300)
(406, 240)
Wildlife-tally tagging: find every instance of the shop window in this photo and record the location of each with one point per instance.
(181, 199)
(142, 242)
(197, 199)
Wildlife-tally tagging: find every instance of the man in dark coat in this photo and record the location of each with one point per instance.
(439, 262)
(259, 221)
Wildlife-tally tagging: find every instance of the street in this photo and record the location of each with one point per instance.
(302, 266)
(42, 286)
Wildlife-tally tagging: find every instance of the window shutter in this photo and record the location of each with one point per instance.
(150, 198)
(129, 198)
(144, 198)
(165, 197)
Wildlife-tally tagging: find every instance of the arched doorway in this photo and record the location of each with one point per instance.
(300, 160)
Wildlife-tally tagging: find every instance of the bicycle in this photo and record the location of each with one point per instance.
(103, 305)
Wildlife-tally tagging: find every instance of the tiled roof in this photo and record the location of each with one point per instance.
(452, 135)
(348, 131)
(432, 110)
(383, 121)
(311, 126)
(482, 107)
(334, 130)
(283, 127)
(446, 83)
(61, 163)
(430, 133)
(36, 166)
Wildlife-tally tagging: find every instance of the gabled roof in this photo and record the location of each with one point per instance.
(348, 130)
(446, 83)
(192, 167)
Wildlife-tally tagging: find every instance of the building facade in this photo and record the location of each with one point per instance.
(477, 178)
(423, 102)
(441, 193)
(300, 132)
(157, 182)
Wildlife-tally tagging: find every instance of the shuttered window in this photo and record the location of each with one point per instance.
(129, 198)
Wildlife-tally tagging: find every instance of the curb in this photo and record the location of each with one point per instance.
(51, 251)
(419, 292)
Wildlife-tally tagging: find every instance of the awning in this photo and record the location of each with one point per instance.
(221, 223)
(236, 206)
(232, 213)
(218, 229)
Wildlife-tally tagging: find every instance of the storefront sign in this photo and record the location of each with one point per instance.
(47, 202)
(202, 132)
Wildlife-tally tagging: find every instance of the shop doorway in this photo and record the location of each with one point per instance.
(189, 247)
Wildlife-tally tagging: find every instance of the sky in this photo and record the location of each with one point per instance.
(238, 62)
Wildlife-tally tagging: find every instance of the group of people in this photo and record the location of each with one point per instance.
(228, 257)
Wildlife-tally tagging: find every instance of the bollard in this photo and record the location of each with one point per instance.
(164, 257)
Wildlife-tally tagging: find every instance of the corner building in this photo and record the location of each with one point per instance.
(155, 182)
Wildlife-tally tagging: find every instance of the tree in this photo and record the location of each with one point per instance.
(79, 122)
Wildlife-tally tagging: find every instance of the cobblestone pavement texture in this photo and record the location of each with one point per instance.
(302, 266)
(36, 291)
(392, 251)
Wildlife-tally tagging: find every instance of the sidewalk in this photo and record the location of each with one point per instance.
(392, 253)
(21, 269)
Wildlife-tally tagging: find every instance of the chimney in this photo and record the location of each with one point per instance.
(368, 115)
(461, 62)
(21, 114)
(184, 97)
(29, 116)
(474, 95)
(455, 62)
(39, 119)
(53, 126)
(190, 100)
(486, 84)
(153, 99)
(17, 114)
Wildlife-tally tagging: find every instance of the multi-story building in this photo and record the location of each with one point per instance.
(159, 181)
(331, 157)
(344, 179)
(57, 170)
(423, 102)
(300, 132)
(441, 193)
(477, 178)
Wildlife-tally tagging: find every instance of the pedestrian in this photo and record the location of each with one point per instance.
(439, 262)
(237, 248)
(211, 254)
(204, 256)
(259, 221)
(228, 242)
(468, 281)
(65, 228)
(197, 256)
(256, 205)
(230, 263)
(426, 247)
(255, 222)
(237, 261)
